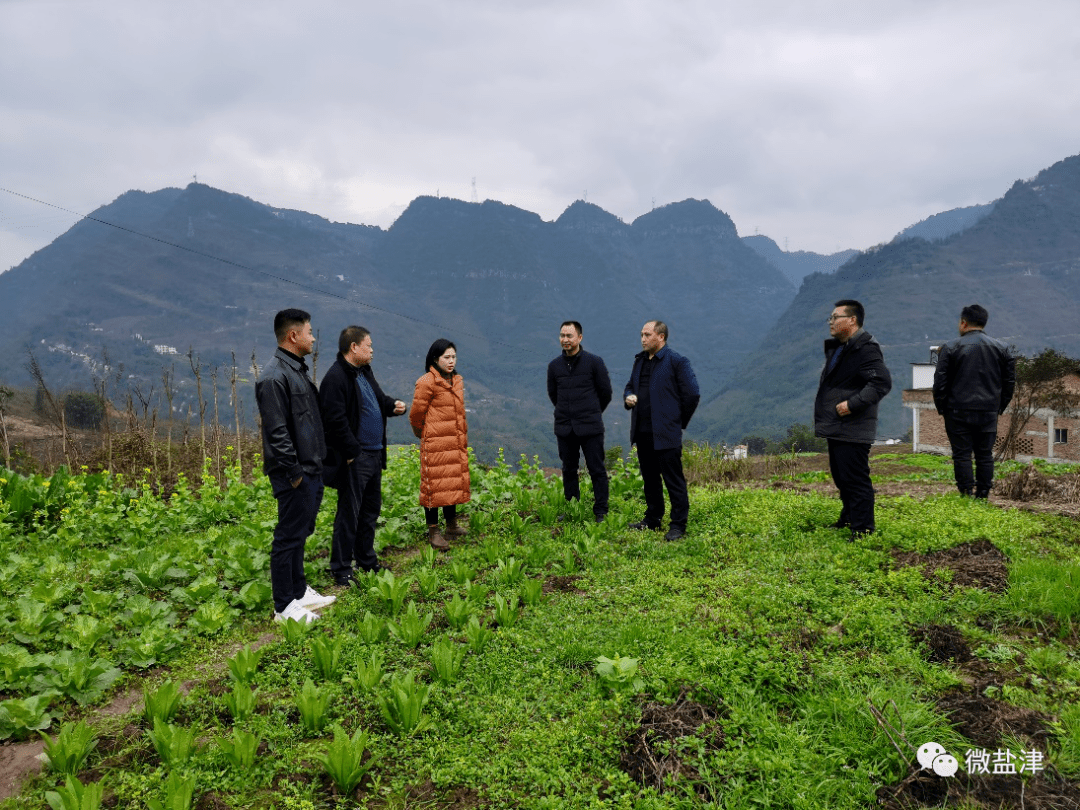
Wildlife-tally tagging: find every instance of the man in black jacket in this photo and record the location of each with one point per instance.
(580, 389)
(973, 384)
(853, 381)
(293, 450)
(354, 410)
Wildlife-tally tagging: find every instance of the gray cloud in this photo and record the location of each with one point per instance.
(831, 124)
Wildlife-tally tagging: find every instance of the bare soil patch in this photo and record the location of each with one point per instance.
(945, 642)
(562, 584)
(651, 757)
(986, 722)
(924, 788)
(977, 564)
(17, 762)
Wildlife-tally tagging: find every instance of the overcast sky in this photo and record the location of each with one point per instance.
(828, 124)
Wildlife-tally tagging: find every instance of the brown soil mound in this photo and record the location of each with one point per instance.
(1031, 484)
(926, 789)
(563, 584)
(651, 757)
(978, 564)
(945, 642)
(986, 722)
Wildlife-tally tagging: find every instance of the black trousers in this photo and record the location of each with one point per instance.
(359, 503)
(849, 463)
(967, 438)
(570, 449)
(297, 509)
(431, 514)
(660, 468)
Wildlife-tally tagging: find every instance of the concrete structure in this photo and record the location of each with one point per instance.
(1048, 434)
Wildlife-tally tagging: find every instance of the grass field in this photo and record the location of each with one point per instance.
(763, 661)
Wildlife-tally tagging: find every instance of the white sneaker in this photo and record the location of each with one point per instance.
(313, 600)
(295, 610)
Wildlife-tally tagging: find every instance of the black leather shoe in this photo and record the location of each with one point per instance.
(642, 526)
(600, 518)
(346, 580)
(675, 533)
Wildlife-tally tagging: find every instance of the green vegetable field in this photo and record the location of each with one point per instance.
(765, 661)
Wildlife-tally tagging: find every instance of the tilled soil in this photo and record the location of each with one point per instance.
(650, 756)
(976, 564)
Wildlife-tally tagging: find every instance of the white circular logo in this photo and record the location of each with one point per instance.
(928, 752)
(945, 765)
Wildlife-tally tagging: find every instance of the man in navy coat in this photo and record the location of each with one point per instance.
(662, 395)
(580, 389)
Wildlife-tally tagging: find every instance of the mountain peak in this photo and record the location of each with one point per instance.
(585, 216)
(686, 217)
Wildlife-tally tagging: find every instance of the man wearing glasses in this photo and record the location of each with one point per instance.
(853, 381)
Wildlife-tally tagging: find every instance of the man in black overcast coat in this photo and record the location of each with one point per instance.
(853, 381)
(580, 389)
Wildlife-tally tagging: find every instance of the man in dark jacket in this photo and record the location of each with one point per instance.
(354, 411)
(293, 450)
(853, 381)
(580, 389)
(662, 395)
(973, 384)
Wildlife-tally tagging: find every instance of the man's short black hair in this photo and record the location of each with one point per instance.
(660, 328)
(575, 324)
(349, 336)
(853, 307)
(289, 319)
(975, 315)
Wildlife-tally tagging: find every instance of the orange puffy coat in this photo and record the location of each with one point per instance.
(438, 418)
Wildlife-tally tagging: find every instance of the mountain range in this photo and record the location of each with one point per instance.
(202, 269)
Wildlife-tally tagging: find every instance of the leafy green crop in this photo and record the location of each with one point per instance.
(74, 795)
(69, 751)
(391, 590)
(179, 790)
(412, 627)
(161, 703)
(457, 611)
(447, 658)
(174, 744)
(327, 655)
(245, 664)
(18, 717)
(619, 673)
(240, 749)
(402, 705)
(314, 704)
(240, 701)
(344, 759)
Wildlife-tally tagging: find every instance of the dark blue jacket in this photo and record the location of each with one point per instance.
(580, 389)
(673, 394)
(860, 377)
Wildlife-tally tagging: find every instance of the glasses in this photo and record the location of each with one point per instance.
(838, 317)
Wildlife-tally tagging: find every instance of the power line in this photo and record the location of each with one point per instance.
(294, 282)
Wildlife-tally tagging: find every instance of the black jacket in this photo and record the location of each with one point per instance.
(975, 372)
(291, 428)
(339, 402)
(580, 389)
(860, 377)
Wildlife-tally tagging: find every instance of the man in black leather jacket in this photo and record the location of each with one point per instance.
(973, 384)
(853, 381)
(293, 450)
(580, 389)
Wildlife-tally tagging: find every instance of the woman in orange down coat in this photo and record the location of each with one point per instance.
(438, 419)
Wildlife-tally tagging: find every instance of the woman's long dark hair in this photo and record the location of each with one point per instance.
(438, 348)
